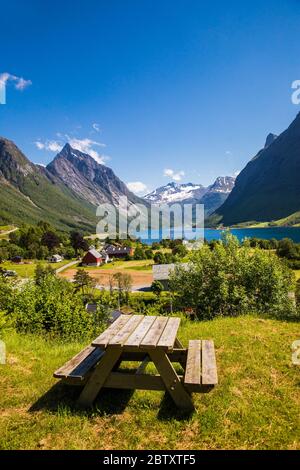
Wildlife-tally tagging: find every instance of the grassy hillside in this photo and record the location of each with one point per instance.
(28, 195)
(255, 406)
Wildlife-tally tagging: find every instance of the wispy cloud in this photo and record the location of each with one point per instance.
(51, 145)
(86, 146)
(83, 145)
(19, 82)
(174, 175)
(96, 127)
(137, 187)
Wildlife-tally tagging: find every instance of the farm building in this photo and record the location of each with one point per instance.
(118, 251)
(94, 258)
(55, 259)
(162, 272)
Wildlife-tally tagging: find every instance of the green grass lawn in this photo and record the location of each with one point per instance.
(27, 270)
(255, 406)
(135, 265)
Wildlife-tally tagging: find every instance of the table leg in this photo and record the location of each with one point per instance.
(171, 380)
(99, 376)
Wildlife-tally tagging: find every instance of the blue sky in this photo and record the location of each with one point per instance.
(187, 86)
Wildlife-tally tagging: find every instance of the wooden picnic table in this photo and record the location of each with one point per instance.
(142, 339)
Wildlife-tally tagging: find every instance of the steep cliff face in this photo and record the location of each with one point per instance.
(90, 180)
(268, 188)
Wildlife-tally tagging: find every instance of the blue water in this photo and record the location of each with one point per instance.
(241, 233)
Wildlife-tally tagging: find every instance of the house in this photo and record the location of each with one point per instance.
(118, 251)
(162, 272)
(94, 258)
(55, 259)
(17, 259)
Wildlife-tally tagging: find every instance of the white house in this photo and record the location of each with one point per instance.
(55, 259)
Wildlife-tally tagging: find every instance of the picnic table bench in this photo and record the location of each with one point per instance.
(142, 339)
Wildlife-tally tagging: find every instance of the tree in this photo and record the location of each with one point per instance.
(159, 258)
(83, 281)
(233, 280)
(78, 242)
(41, 272)
(139, 253)
(50, 240)
(123, 283)
(157, 288)
(179, 250)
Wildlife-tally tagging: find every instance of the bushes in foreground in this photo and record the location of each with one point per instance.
(49, 305)
(234, 280)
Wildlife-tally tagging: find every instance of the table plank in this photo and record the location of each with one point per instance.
(209, 366)
(120, 338)
(152, 337)
(168, 337)
(140, 332)
(192, 375)
(103, 340)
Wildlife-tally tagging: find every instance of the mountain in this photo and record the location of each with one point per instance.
(88, 179)
(27, 195)
(217, 193)
(65, 193)
(174, 192)
(268, 188)
(212, 197)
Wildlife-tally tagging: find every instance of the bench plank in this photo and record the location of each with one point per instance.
(80, 365)
(168, 337)
(192, 377)
(103, 340)
(209, 366)
(120, 338)
(152, 337)
(140, 332)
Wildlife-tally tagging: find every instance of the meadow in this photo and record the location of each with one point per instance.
(255, 406)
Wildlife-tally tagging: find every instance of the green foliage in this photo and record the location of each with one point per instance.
(157, 288)
(50, 306)
(234, 280)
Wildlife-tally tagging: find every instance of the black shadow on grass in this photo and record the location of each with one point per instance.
(108, 402)
(169, 411)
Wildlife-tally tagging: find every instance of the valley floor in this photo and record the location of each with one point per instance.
(255, 406)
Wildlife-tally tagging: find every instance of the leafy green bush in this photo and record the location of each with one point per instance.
(51, 306)
(233, 280)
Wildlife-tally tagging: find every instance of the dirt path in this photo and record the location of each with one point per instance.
(139, 278)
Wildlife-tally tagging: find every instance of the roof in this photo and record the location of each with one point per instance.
(95, 253)
(112, 249)
(161, 272)
(56, 256)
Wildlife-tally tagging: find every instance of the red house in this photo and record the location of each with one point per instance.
(93, 258)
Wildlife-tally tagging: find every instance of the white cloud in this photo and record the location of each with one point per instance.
(39, 145)
(83, 145)
(96, 127)
(19, 82)
(236, 173)
(137, 187)
(174, 175)
(228, 152)
(86, 146)
(51, 145)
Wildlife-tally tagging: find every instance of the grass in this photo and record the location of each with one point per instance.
(28, 270)
(255, 406)
(135, 265)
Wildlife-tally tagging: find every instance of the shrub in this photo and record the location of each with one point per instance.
(233, 280)
(51, 306)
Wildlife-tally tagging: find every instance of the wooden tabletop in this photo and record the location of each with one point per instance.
(132, 332)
